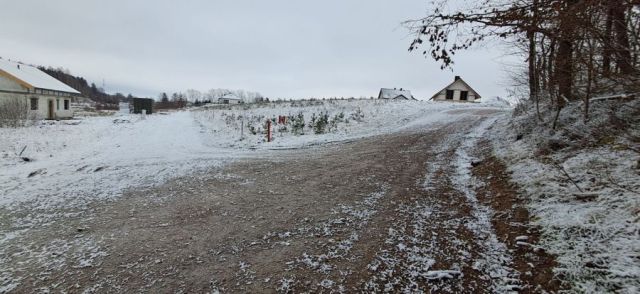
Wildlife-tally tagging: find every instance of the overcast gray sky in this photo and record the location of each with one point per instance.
(280, 48)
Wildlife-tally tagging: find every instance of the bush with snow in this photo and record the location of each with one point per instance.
(14, 112)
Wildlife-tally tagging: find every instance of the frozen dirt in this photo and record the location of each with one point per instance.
(402, 211)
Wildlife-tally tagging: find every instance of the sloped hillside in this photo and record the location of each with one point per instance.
(79, 83)
(582, 185)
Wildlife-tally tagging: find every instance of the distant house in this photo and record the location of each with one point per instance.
(47, 97)
(458, 91)
(395, 94)
(229, 99)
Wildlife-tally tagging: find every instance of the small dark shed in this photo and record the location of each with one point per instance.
(140, 104)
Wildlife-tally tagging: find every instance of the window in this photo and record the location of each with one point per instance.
(34, 103)
(464, 95)
(66, 104)
(57, 104)
(450, 94)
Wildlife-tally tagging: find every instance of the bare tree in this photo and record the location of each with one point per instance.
(622, 46)
(193, 95)
(570, 44)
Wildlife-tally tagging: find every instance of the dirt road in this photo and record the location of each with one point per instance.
(427, 210)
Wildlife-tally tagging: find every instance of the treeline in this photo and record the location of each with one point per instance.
(197, 98)
(574, 49)
(177, 100)
(212, 95)
(91, 91)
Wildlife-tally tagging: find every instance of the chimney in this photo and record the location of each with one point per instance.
(457, 78)
(18, 66)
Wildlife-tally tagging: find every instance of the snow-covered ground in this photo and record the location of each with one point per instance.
(57, 170)
(345, 120)
(72, 163)
(582, 185)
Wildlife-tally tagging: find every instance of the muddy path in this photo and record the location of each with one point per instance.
(400, 212)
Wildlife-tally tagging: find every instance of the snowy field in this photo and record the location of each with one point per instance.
(582, 184)
(317, 122)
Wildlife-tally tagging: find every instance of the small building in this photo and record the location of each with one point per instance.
(141, 105)
(47, 97)
(395, 94)
(229, 99)
(458, 91)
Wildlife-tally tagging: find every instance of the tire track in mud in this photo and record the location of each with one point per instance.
(447, 243)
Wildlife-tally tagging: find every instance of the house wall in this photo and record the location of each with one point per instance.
(10, 88)
(457, 87)
(43, 104)
(229, 101)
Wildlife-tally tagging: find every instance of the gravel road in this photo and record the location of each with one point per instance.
(423, 210)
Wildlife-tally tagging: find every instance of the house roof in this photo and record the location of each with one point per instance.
(230, 97)
(394, 93)
(32, 77)
(462, 81)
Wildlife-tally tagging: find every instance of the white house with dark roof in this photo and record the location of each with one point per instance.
(458, 91)
(229, 99)
(395, 94)
(48, 98)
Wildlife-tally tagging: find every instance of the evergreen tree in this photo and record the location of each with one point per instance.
(164, 98)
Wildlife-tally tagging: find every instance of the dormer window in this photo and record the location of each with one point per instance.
(464, 95)
(450, 94)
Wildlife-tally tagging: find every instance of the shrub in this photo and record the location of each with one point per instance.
(312, 123)
(358, 115)
(333, 124)
(251, 128)
(14, 112)
(321, 123)
(297, 124)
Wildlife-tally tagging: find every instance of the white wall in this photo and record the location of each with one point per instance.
(457, 87)
(229, 101)
(43, 104)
